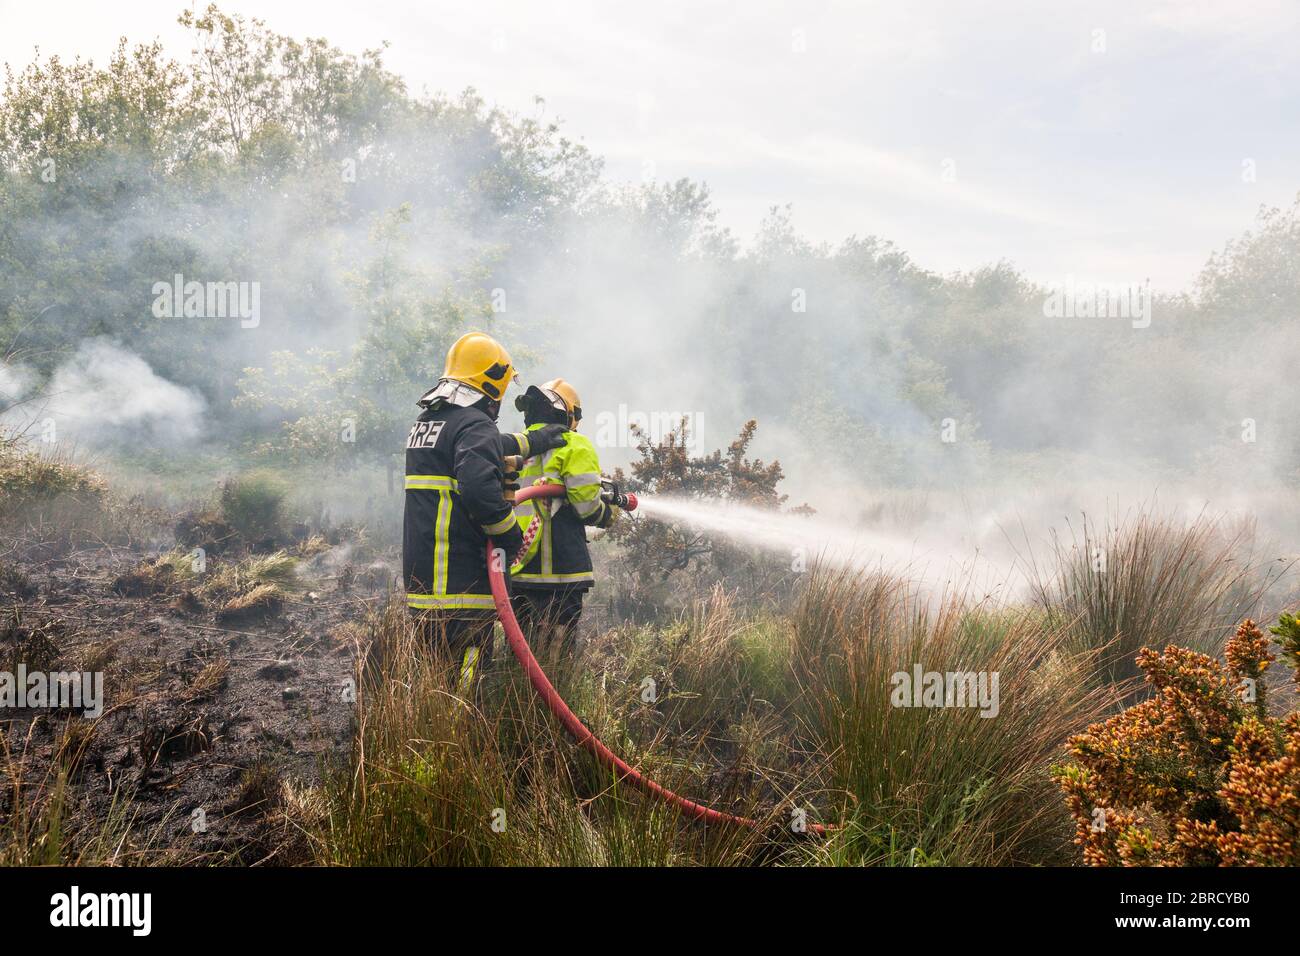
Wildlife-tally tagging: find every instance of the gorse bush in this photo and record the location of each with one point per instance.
(1287, 630)
(654, 557)
(1199, 774)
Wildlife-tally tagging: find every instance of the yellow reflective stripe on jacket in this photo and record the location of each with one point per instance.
(450, 601)
(500, 526)
(442, 541)
(431, 483)
(544, 536)
(444, 485)
(557, 578)
(469, 664)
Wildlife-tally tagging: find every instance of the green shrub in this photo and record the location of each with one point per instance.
(253, 504)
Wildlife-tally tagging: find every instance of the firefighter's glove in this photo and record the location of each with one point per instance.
(611, 515)
(544, 439)
(509, 541)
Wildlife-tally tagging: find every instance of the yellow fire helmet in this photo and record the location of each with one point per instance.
(562, 394)
(481, 362)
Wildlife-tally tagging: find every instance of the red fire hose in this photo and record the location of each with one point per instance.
(584, 737)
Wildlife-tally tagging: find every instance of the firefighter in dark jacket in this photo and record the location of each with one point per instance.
(552, 576)
(455, 501)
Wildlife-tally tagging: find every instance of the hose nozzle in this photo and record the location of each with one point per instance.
(510, 479)
(611, 495)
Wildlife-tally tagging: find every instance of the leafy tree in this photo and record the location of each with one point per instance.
(368, 214)
(345, 409)
(268, 160)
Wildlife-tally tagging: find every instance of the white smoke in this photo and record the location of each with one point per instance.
(104, 395)
(15, 383)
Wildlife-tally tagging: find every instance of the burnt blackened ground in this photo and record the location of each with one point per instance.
(206, 727)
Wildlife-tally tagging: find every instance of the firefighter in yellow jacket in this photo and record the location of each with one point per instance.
(554, 574)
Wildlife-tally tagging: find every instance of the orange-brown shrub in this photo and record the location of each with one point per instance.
(1199, 774)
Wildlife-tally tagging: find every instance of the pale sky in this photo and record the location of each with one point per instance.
(1107, 141)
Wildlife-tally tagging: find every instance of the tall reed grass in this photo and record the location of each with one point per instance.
(771, 717)
(1150, 580)
(947, 784)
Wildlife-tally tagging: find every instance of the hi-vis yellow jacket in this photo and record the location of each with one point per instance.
(557, 557)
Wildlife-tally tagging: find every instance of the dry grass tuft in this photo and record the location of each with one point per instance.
(264, 600)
